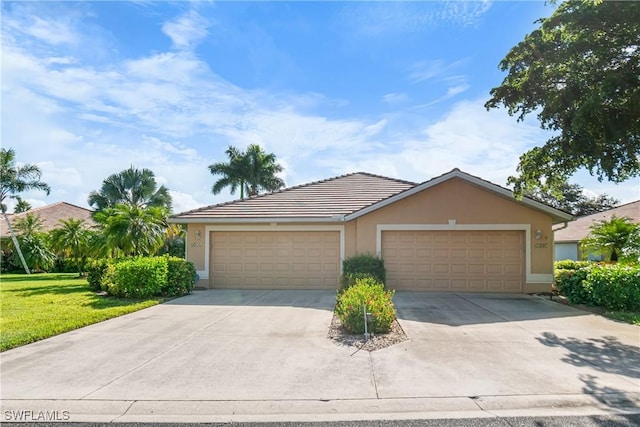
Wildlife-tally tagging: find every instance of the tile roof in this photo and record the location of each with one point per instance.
(577, 230)
(326, 199)
(50, 216)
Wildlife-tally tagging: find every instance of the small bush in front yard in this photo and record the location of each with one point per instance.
(96, 271)
(570, 283)
(360, 267)
(369, 291)
(181, 276)
(137, 278)
(615, 287)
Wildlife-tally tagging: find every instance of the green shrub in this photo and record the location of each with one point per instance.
(615, 287)
(570, 283)
(181, 276)
(360, 267)
(569, 264)
(96, 271)
(137, 278)
(378, 302)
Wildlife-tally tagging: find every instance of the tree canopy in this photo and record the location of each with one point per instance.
(252, 172)
(133, 187)
(580, 73)
(16, 179)
(573, 200)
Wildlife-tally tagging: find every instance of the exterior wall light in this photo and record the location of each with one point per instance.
(538, 234)
(197, 234)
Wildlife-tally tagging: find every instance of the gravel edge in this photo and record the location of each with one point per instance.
(343, 338)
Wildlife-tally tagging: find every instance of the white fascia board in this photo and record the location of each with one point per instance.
(231, 220)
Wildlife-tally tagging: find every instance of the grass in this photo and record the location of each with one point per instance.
(38, 306)
(632, 317)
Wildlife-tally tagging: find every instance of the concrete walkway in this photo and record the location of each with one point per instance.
(223, 355)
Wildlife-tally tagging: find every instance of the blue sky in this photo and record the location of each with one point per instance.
(393, 88)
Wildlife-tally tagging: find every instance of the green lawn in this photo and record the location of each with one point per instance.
(37, 306)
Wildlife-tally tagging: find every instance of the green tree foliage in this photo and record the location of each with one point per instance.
(22, 205)
(16, 179)
(33, 242)
(133, 187)
(131, 230)
(579, 72)
(611, 236)
(252, 172)
(71, 240)
(573, 200)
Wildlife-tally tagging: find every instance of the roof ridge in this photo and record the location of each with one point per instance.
(294, 187)
(40, 208)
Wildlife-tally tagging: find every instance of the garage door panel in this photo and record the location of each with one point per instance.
(491, 261)
(275, 260)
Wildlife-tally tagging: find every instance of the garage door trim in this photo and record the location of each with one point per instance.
(452, 226)
(204, 274)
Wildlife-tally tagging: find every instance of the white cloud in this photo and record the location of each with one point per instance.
(187, 30)
(395, 98)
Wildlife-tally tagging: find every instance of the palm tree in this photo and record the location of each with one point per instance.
(36, 252)
(610, 236)
(17, 179)
(252, 172)
(261, 171)
(22, 206)
(72, 240)
(132, 229)
(13, 181)
(133, 187)
(232, 173)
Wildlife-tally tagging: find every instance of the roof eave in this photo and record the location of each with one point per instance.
(227, 220)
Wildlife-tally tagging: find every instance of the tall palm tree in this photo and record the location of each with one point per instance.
(17, 179)
(133, 230)
(13, 181)
(133, 187)
(261, 171)
(252, 172)
(71, 239)
(232, 172)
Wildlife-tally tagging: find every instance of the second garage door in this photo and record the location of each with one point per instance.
(471, 261)
(275, 259)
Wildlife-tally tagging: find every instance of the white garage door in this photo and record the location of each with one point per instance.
(275, 260)
(458, 261)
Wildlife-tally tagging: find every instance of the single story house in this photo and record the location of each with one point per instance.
(50, 215)
(567, 237)
(455, 232)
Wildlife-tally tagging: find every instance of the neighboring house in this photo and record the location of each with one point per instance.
(455, 232)
(567, 238)
(51, 215)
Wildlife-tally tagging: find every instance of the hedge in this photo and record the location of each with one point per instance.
(612, 286)
(142, 277)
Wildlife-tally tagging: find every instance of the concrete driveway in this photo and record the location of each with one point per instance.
(225, 355)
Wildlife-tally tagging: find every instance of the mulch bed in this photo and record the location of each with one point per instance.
(342, 337)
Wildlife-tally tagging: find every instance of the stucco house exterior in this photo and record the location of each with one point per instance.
(456, 232)
(567, 237)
